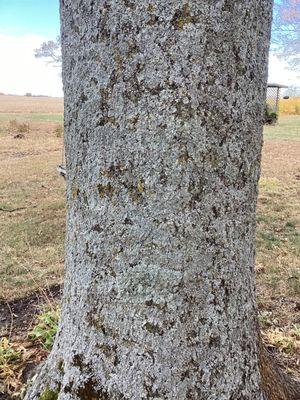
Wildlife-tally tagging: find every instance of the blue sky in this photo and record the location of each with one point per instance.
(23, 17)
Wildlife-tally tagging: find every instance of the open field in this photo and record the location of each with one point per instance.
(32, 213)
(27, 105)
(32, 236)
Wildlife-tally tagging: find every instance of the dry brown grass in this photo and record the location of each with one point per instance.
(278, 249)
(32, 238)
(24, 104)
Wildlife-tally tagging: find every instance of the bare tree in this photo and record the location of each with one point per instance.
(286, 30)
(51, 51)
(163, 118)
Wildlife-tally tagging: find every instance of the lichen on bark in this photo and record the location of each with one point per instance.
(163, 134)
(49, 394)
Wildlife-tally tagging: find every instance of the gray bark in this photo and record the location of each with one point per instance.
(163, 122)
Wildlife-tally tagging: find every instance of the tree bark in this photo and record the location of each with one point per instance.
(277, 385)
(163, 122)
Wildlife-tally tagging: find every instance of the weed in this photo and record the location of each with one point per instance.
(267, 239)
(271, 117)
(45, 331)
(282, 340)
(291, 224)
(269, 185)
(285, 343)
(16, 127)
(7, 353)
(296, 331)
(11, 360)
(58, 131)
(266, 319)
(273, 277)
(293, 282)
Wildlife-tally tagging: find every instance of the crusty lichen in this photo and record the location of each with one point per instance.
(105, 190)
(75, 192)
(49, 394)
(183, 17)
(140, 185)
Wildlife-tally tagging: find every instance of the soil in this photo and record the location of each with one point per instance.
(17, 316)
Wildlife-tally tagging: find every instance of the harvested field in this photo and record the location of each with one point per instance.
(27, 105)
(32, 206)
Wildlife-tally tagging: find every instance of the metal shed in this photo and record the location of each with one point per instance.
(273, 96)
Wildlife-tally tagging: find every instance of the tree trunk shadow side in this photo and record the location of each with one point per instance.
(277, 385)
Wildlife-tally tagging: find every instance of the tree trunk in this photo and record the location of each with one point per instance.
(163, 121)
(277, 385)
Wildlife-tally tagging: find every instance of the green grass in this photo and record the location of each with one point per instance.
(288, 128)
(46, 117)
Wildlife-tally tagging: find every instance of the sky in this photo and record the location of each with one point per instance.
(25, 24)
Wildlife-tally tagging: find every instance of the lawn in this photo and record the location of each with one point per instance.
(32, 216)
(278, 240)
(288, 128)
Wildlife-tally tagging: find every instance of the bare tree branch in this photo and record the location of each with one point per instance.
(286, 30)
(50, 51)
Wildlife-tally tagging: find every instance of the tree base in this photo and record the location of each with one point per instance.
(277, 385)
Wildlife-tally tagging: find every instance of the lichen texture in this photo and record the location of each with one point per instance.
(163, 125)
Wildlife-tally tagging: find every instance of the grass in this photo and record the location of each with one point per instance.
(12, 359)
(32, 117)
(32, 238)
(278, 236)
(278, 240)
(32, 241)
(288, 128)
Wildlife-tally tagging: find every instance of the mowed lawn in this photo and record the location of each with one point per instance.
(278, 240)
(32, 215)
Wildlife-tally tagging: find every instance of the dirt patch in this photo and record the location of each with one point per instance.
(17, 316)
(280, 159)
(8, 154)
